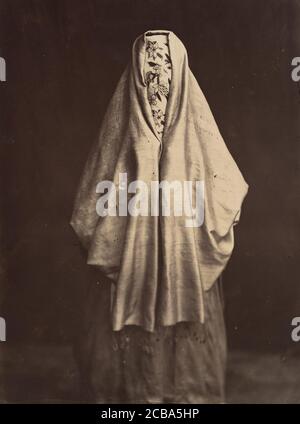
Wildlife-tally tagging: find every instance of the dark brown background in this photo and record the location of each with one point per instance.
(64, 59)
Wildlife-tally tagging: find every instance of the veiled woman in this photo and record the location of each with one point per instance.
(153, 330)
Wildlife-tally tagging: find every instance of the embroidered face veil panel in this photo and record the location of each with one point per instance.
(157, 75)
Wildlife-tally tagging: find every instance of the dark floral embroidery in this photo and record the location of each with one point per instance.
(168, 61)
(152, 47)
(158, 77)
(155, 91)
(158, 117)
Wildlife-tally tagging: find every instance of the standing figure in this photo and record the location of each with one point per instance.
(153, 329)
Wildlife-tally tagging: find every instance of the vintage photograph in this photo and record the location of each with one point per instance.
(150, 193)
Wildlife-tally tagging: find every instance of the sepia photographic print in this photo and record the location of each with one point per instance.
(150, 192)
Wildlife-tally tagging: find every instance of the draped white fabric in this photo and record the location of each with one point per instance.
(160, 266)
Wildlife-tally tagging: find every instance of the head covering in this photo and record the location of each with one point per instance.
(160, 266)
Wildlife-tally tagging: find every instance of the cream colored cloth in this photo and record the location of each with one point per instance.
(159, 266)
